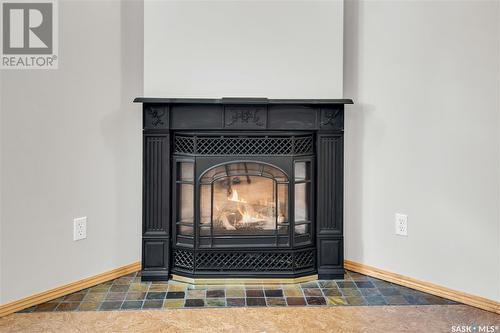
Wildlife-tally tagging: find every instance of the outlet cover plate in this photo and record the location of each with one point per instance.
(401, 221)
(79, 228)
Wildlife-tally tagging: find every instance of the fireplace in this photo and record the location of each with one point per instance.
(242, 188)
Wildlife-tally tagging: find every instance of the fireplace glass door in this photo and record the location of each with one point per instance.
(244, 203)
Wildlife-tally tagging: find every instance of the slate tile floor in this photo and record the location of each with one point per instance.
(129, 293)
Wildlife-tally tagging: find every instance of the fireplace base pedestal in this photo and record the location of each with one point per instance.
(243, 281)
(265, 263)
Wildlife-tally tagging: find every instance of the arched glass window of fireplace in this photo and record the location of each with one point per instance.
(244, 200)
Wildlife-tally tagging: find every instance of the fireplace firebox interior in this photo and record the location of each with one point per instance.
(242, 188)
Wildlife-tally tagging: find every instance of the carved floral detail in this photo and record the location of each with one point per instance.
(329, 117)
(156, 116)
(245, 116)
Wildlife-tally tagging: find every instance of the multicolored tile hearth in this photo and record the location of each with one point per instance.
(196, 293)
(331, 292)
(255, 293)
(350, 292)
(335, 301)
(155, 295)
(256, 301)
(273, 292)
(295, 301)
(235, 301)
(375, 300)
(119, 288)
(312, 292)
(129, 293)
(194, 302)
(89, 306)
(217, 302)
(153, 304)
(235, 292)
(173, 303)
(175, 294)
(293, 292)
(135, 296)
(106, 306)
(131, 305)
(364, 284)
(315, 301)
(216, 293)
(276, 301)
(355, 300)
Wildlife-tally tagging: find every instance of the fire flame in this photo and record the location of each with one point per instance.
(234, 197)
(246, 217)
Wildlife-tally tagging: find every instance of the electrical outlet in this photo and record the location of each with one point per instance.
(79, 228)
(401, 224)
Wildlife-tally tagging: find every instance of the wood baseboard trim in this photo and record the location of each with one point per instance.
(431, 288)
(68, 289)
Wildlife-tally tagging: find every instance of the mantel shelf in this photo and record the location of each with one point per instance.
(242, 100)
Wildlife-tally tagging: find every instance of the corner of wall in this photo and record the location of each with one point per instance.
(1, 202)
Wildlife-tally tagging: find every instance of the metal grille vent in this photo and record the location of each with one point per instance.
(260, 261)
(224, 145)
(245, 261)
(304, 259)
(303, 145)
(184, 144)
(184, 259)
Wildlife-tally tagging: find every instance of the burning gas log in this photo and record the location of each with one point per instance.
(237, 213)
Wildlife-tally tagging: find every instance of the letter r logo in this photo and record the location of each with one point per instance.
(27, 27)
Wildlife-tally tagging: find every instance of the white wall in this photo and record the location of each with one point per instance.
(275, 49)
(1, 202)
(423, 139)
(71, 146)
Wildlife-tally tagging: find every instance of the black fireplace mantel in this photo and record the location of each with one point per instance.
(166, 120)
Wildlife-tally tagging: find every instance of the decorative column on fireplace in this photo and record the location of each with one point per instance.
(242, 187)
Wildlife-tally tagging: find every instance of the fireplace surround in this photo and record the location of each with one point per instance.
(242, 187)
